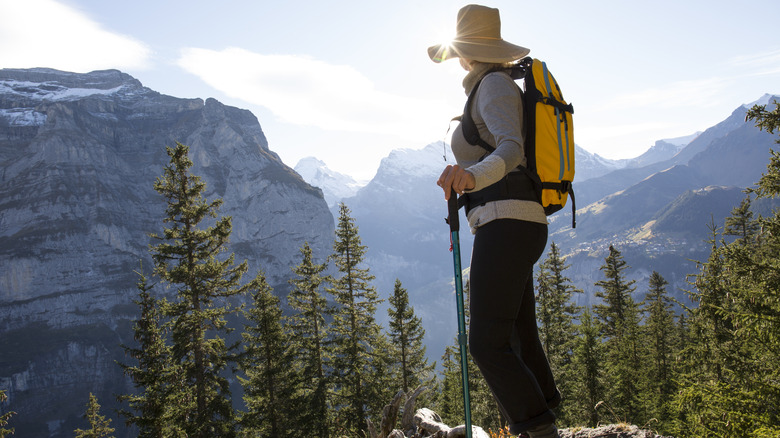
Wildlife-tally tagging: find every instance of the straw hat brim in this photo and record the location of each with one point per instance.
(490, 50)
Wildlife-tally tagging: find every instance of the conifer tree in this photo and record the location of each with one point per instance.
(4, 417)
(757, 291)
(556, 314)
(99, 426)
(450, 401)
(154, 374)
(741, 222)
(587, 386)
(189, 258)
(309, 339)
(712, 342)
(766, 120)
(715, 397)
(661, 344)
(382, 381)
(618, 318)
(736, 325)
(406, 334)
(269, 388)
(354, 329)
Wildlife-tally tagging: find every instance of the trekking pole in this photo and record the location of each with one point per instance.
(454, 221)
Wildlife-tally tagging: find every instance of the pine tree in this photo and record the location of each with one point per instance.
(187, 257)
(717, 396)
(5, 417)
(450, 401)
(270, 385)
(99, 426)
(556, 314)
(309, 337)
(587, 383)
(382, 382)
(154, 375)
(766, 120)
(712, 341)
(757, 291)
(741, 222)
(660, 341)
(618, 318)
(354, 329)
(406, 334)
(736, 324)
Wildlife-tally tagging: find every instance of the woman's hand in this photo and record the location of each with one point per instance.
(456, 178)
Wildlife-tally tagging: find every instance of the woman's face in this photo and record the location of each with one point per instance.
(465, 63)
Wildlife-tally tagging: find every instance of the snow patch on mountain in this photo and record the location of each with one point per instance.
(589, 165)
(424, 162)
(51, 91)
(766, 99)
(335, 186)
(22, 117)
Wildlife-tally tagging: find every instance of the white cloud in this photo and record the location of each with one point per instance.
(306, 91)
(44, 33)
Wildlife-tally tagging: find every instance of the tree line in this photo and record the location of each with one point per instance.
(709, 369)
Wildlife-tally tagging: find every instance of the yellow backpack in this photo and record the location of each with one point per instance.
(549, 142)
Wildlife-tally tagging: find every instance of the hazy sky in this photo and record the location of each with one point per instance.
(348, 81)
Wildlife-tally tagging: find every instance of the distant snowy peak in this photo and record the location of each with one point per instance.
(590, 165)
(335, 186)
(766, 99)
(583, 157)
(401, 167)
(424, 162)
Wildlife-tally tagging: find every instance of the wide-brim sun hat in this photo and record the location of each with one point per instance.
(478, 38)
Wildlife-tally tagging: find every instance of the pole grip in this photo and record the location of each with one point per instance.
(452, 208)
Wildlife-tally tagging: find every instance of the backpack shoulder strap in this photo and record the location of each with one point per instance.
(469, 128)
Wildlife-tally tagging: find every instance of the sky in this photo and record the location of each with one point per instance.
(349, 81)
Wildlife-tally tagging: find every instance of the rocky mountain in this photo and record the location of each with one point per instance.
(590, 165)
(79, 154)
(661, 151)
(335, 186)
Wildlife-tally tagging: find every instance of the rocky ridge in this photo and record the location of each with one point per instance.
(79, 154)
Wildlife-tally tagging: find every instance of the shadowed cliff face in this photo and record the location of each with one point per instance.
(79, 156)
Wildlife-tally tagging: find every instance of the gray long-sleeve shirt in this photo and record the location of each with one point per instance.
(497, 111)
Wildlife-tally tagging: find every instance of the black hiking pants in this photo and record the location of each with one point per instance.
(503, 337)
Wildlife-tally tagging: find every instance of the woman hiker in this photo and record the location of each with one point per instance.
(510, 234)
